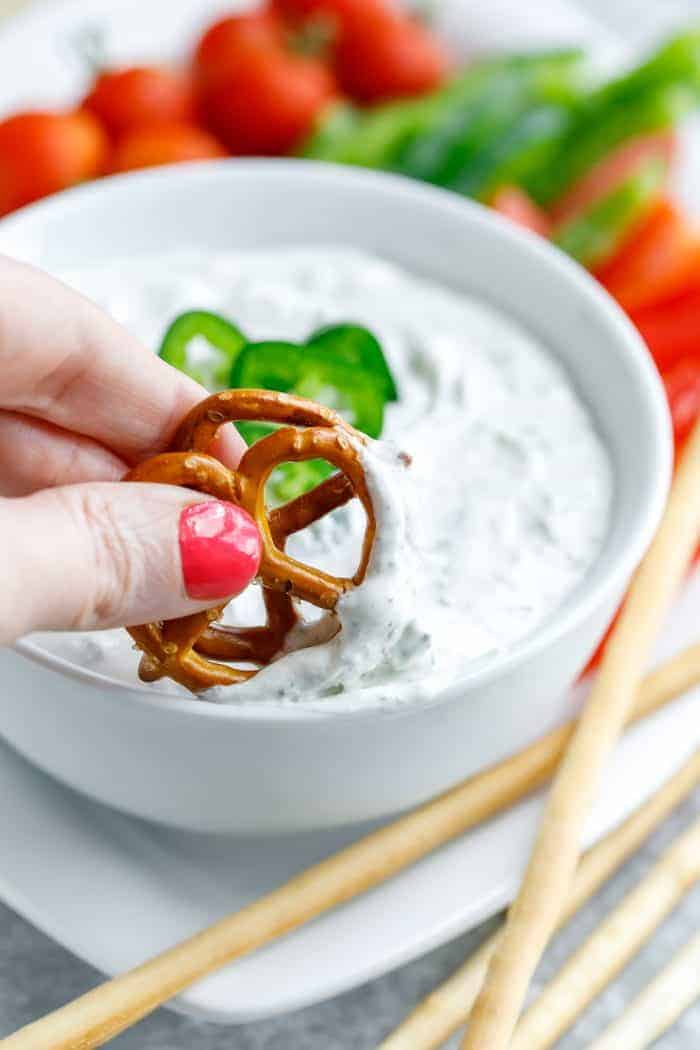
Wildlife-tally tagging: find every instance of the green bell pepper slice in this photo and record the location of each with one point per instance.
(471, 124)
(366, 138)
(373, 137)
(593, 237)
(412, 135)
(526, 144)
(341, 366)
(353, 347)
(652, 97)
(212, 365)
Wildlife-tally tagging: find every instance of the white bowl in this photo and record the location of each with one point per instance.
(263, 767)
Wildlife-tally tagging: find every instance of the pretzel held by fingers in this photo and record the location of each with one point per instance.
(180, 649)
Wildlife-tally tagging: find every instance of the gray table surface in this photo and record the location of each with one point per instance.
(36, 975)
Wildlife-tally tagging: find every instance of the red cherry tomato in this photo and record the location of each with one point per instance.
(609, 172)
(659, 261)
(671, 330)
(388, 55)
(123, 99)
(682, 383)
(341, 13)
(515, 204)
(269, 103)
(226, 41)
(43, 152)
(165, 143)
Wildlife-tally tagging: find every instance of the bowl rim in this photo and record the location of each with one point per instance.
(592, 590)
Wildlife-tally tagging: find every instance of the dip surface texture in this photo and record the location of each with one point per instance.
(503, 511)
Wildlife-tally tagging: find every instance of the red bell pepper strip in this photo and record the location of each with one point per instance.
(658, 262)
(672, 331)
(682, 383)
(609, 173)
(597, 234)
(517, 205)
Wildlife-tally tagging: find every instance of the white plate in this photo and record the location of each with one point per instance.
(115, 890)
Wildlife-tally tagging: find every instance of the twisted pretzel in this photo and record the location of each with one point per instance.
(179, 648)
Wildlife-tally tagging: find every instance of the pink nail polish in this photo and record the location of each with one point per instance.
(220, 548)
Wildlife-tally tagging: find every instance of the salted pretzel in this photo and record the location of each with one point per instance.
(179, 649)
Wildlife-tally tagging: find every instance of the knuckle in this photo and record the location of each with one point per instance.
(109, 561)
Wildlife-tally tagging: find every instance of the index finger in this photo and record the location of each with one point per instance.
(64, 360)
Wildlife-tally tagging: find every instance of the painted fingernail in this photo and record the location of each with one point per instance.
(220, 548)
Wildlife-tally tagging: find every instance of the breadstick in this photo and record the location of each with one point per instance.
(550, 872)
(611, 946)
(659, 1005)
(438, 1016)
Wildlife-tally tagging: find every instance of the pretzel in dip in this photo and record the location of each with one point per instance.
(181, 649)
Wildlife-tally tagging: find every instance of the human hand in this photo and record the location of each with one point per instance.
(80, 402)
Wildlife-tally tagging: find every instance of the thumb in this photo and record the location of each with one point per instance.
(106, 555)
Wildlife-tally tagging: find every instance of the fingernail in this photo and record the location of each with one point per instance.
(220, 548)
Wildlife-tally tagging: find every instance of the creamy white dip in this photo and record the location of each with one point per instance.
(504, 508)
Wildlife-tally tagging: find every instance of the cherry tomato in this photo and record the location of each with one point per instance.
(515, 204)
(269, 103)
(341, 13)
(226, 41)
(43, 152)
(164, 143)
(387, 55)
(123, 99)
(672, 329)
(682, 383)
(659, 261)
(609, 173)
